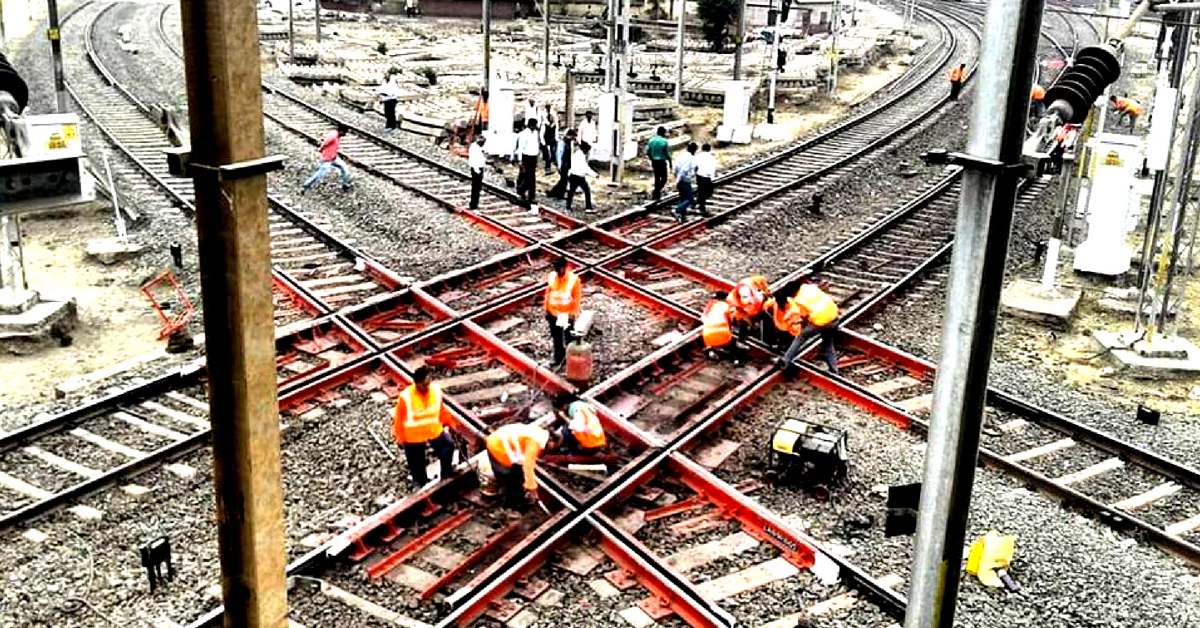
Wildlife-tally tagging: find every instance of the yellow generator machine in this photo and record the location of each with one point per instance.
(810, 454)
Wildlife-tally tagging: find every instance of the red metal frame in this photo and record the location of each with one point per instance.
(175, 323)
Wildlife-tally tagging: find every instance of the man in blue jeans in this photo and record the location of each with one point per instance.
(328, 158)
(685, 179)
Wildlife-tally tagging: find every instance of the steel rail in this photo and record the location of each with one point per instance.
(935, 70)
(672, 453)
(1115, 517)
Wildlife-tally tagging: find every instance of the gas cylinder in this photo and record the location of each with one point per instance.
(579, 361)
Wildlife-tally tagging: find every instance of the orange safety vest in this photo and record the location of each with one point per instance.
(817, 306)
(791, 318)
(422, 421)
(585, 425)
(716, 324)
(746, 299)
(1038, 93)
(519, 444)
(956, 75)
(562, 294)
(481, 110)
(1130, 105)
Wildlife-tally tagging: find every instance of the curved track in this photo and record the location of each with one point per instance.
(656, 409)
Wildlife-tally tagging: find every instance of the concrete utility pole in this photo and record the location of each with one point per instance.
(774, 19)
(679, 59)
(989, 188)
(908, 18)
(738, 36)
(609, 52)
(317, 18)
(291, 31)
(545, 42)
(617, 157)
(60, 85)
(487, 46)
(570, 96)
(221, 58)
(834, 57)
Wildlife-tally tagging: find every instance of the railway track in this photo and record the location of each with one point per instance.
(473, 323)
(1128, 487)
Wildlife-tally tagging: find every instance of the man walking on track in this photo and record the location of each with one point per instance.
(564, 296)
(706, 171)
(420, 420)
(476, 161)
(658, 151)
(813, 306)
(957, 76)
(562, 159)
(528, 149)
(685, 177)
(328, 158)
(580, 171)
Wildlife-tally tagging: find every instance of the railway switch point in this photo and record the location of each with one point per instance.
(1029, 299)
(1156, 358)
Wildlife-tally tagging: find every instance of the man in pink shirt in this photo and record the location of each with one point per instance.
(328, 158)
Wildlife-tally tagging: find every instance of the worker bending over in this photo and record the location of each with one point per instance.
(752, 308)
(421, 419)
(564, 296)
(808, 314)
(513, 451)
(1127, 109)
(957, 76)
(579, 424)
(717, 319)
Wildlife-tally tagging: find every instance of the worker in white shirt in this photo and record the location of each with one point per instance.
(389, 91)
(528, 149)
(580, 171)
(706, 171)
(685, 179)
(476, 161)
(588, 131)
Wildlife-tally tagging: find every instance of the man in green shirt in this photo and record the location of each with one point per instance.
(659, 153)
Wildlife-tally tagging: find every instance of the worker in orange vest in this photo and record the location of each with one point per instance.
(752, 307)
(1127, 109)
(513, 451)
(717, 321)
(812, 313)
(1037, 106)
(481, 112)
(957, 76)
(564, 296)
(421, 419)
(579, 424)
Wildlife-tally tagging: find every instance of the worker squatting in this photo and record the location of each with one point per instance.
(421, 422)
